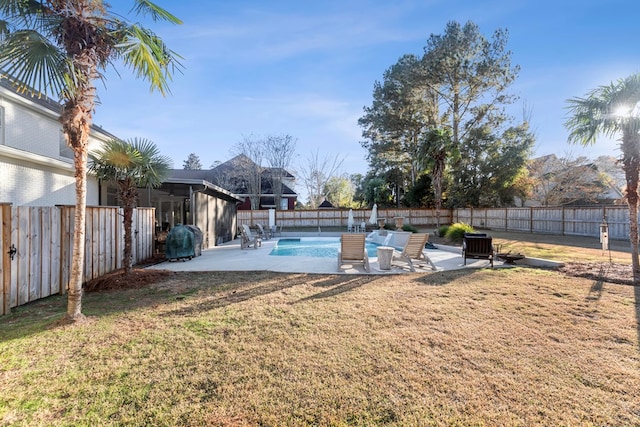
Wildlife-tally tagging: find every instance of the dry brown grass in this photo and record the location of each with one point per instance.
(482, 347)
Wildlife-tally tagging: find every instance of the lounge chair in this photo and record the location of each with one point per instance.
(478, 246)
(414, 251)
(264, 234)
(352, 251)
(247, 238)
(276, 230)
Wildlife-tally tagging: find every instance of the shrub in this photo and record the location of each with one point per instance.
(442, 231)
(456, 231)
(409, 227)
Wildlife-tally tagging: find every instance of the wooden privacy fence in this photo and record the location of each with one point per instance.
(571, 220)
(339, 217)
(37, 245)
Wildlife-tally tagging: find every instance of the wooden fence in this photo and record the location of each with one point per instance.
(574, 220)
(43, 241)
(570, 220)
(339, 217)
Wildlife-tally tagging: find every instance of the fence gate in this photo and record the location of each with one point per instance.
(6, 254)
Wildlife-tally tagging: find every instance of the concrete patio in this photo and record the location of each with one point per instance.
(229, 257)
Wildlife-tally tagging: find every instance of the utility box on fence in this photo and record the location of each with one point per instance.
(183, 242)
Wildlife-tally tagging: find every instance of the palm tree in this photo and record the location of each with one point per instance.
(614, 110)
(61, 48)
(129, 164)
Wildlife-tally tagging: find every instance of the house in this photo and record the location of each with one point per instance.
(254, 184)
(37, 170)
(560, 181)
(36, 163)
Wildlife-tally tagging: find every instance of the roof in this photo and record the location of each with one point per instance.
(183, 187)
(43, 101)
(229, 175)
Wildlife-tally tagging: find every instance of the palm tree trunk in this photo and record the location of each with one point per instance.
(128, 194)
(74, 298)
(631, 166)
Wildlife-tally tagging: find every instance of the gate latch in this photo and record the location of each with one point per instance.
(12, 251)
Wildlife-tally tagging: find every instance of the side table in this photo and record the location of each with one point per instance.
(385, 254)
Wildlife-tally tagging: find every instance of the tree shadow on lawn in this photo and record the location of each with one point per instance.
(442, 278)
(338, 284)
(208, 290)
(636, 292)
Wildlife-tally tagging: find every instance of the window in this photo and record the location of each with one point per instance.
(65, 150)
(2, 126)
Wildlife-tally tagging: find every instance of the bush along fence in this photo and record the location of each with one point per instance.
(570, 220)
(36, 244)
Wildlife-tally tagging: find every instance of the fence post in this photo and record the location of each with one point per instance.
(530, 219)
(506, 219)
(5, 245)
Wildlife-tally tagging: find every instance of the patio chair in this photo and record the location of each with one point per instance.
(247, 238)
(352, 251)
(264, 234)
(276, 230)
(414, 251)
(477, 246)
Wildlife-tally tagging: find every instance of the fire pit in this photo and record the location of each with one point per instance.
(509, 258)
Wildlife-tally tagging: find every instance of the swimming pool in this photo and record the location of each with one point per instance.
(319, 247)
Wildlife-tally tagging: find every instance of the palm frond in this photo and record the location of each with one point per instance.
(34, 62)
(136, 160)
(147, 8)
(598, 112)
(148, 56)
(154, 167)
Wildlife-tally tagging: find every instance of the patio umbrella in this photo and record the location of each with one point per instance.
(374, 215)
(350, 219)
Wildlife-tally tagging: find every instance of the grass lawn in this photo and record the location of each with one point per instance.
(471, 347)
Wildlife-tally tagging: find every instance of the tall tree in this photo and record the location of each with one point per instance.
(192, 163)
(470, 75)
(61, 48)
(401, 111)
(279, 150)
(129, 164)
(487, 172)
(614, 111)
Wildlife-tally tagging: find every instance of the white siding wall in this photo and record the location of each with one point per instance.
(31, 130)
(32, 171)
(27, 184)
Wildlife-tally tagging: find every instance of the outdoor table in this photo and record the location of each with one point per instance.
(385, 253)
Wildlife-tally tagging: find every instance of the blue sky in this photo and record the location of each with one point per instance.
(308, 68)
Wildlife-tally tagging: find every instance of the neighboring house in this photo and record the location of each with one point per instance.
(36, 163)
(560, 181)
(238, 175)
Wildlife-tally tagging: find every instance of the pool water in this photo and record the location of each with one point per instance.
(315, 247)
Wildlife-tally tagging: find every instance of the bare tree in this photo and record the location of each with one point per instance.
(252, 148)
(279, 151)
(561, 181)
(315, 174)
